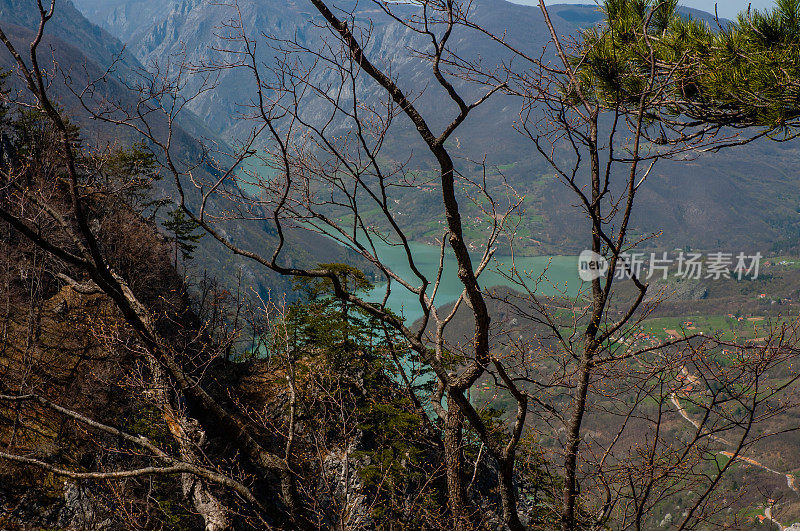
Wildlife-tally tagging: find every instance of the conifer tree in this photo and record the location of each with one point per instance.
(185, 234)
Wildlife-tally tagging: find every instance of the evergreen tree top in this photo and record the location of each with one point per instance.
(741, 74)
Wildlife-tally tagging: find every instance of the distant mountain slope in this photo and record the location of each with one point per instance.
(157, 30)
(161, 30)
(84, 51)
(69, 25)
(743, 198)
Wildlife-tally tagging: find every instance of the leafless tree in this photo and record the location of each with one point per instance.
(611, 141)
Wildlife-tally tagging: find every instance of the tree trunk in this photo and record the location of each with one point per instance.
(573, 443)
(214, 514)
(508, 495)
(454, 457)
(189, 435)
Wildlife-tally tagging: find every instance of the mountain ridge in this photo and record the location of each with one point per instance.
(720, 201)
(70, 61)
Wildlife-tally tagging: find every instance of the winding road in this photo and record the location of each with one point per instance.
(692, 380)
(768, 516)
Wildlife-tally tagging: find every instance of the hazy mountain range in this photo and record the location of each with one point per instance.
(82, 50)
(741, 199)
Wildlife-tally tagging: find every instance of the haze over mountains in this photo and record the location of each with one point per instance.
(744, 199)
(84, 51)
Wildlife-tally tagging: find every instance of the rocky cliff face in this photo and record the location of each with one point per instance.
(156, 31)
(196, 30)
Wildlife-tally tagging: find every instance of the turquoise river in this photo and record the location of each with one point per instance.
(560, 276)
